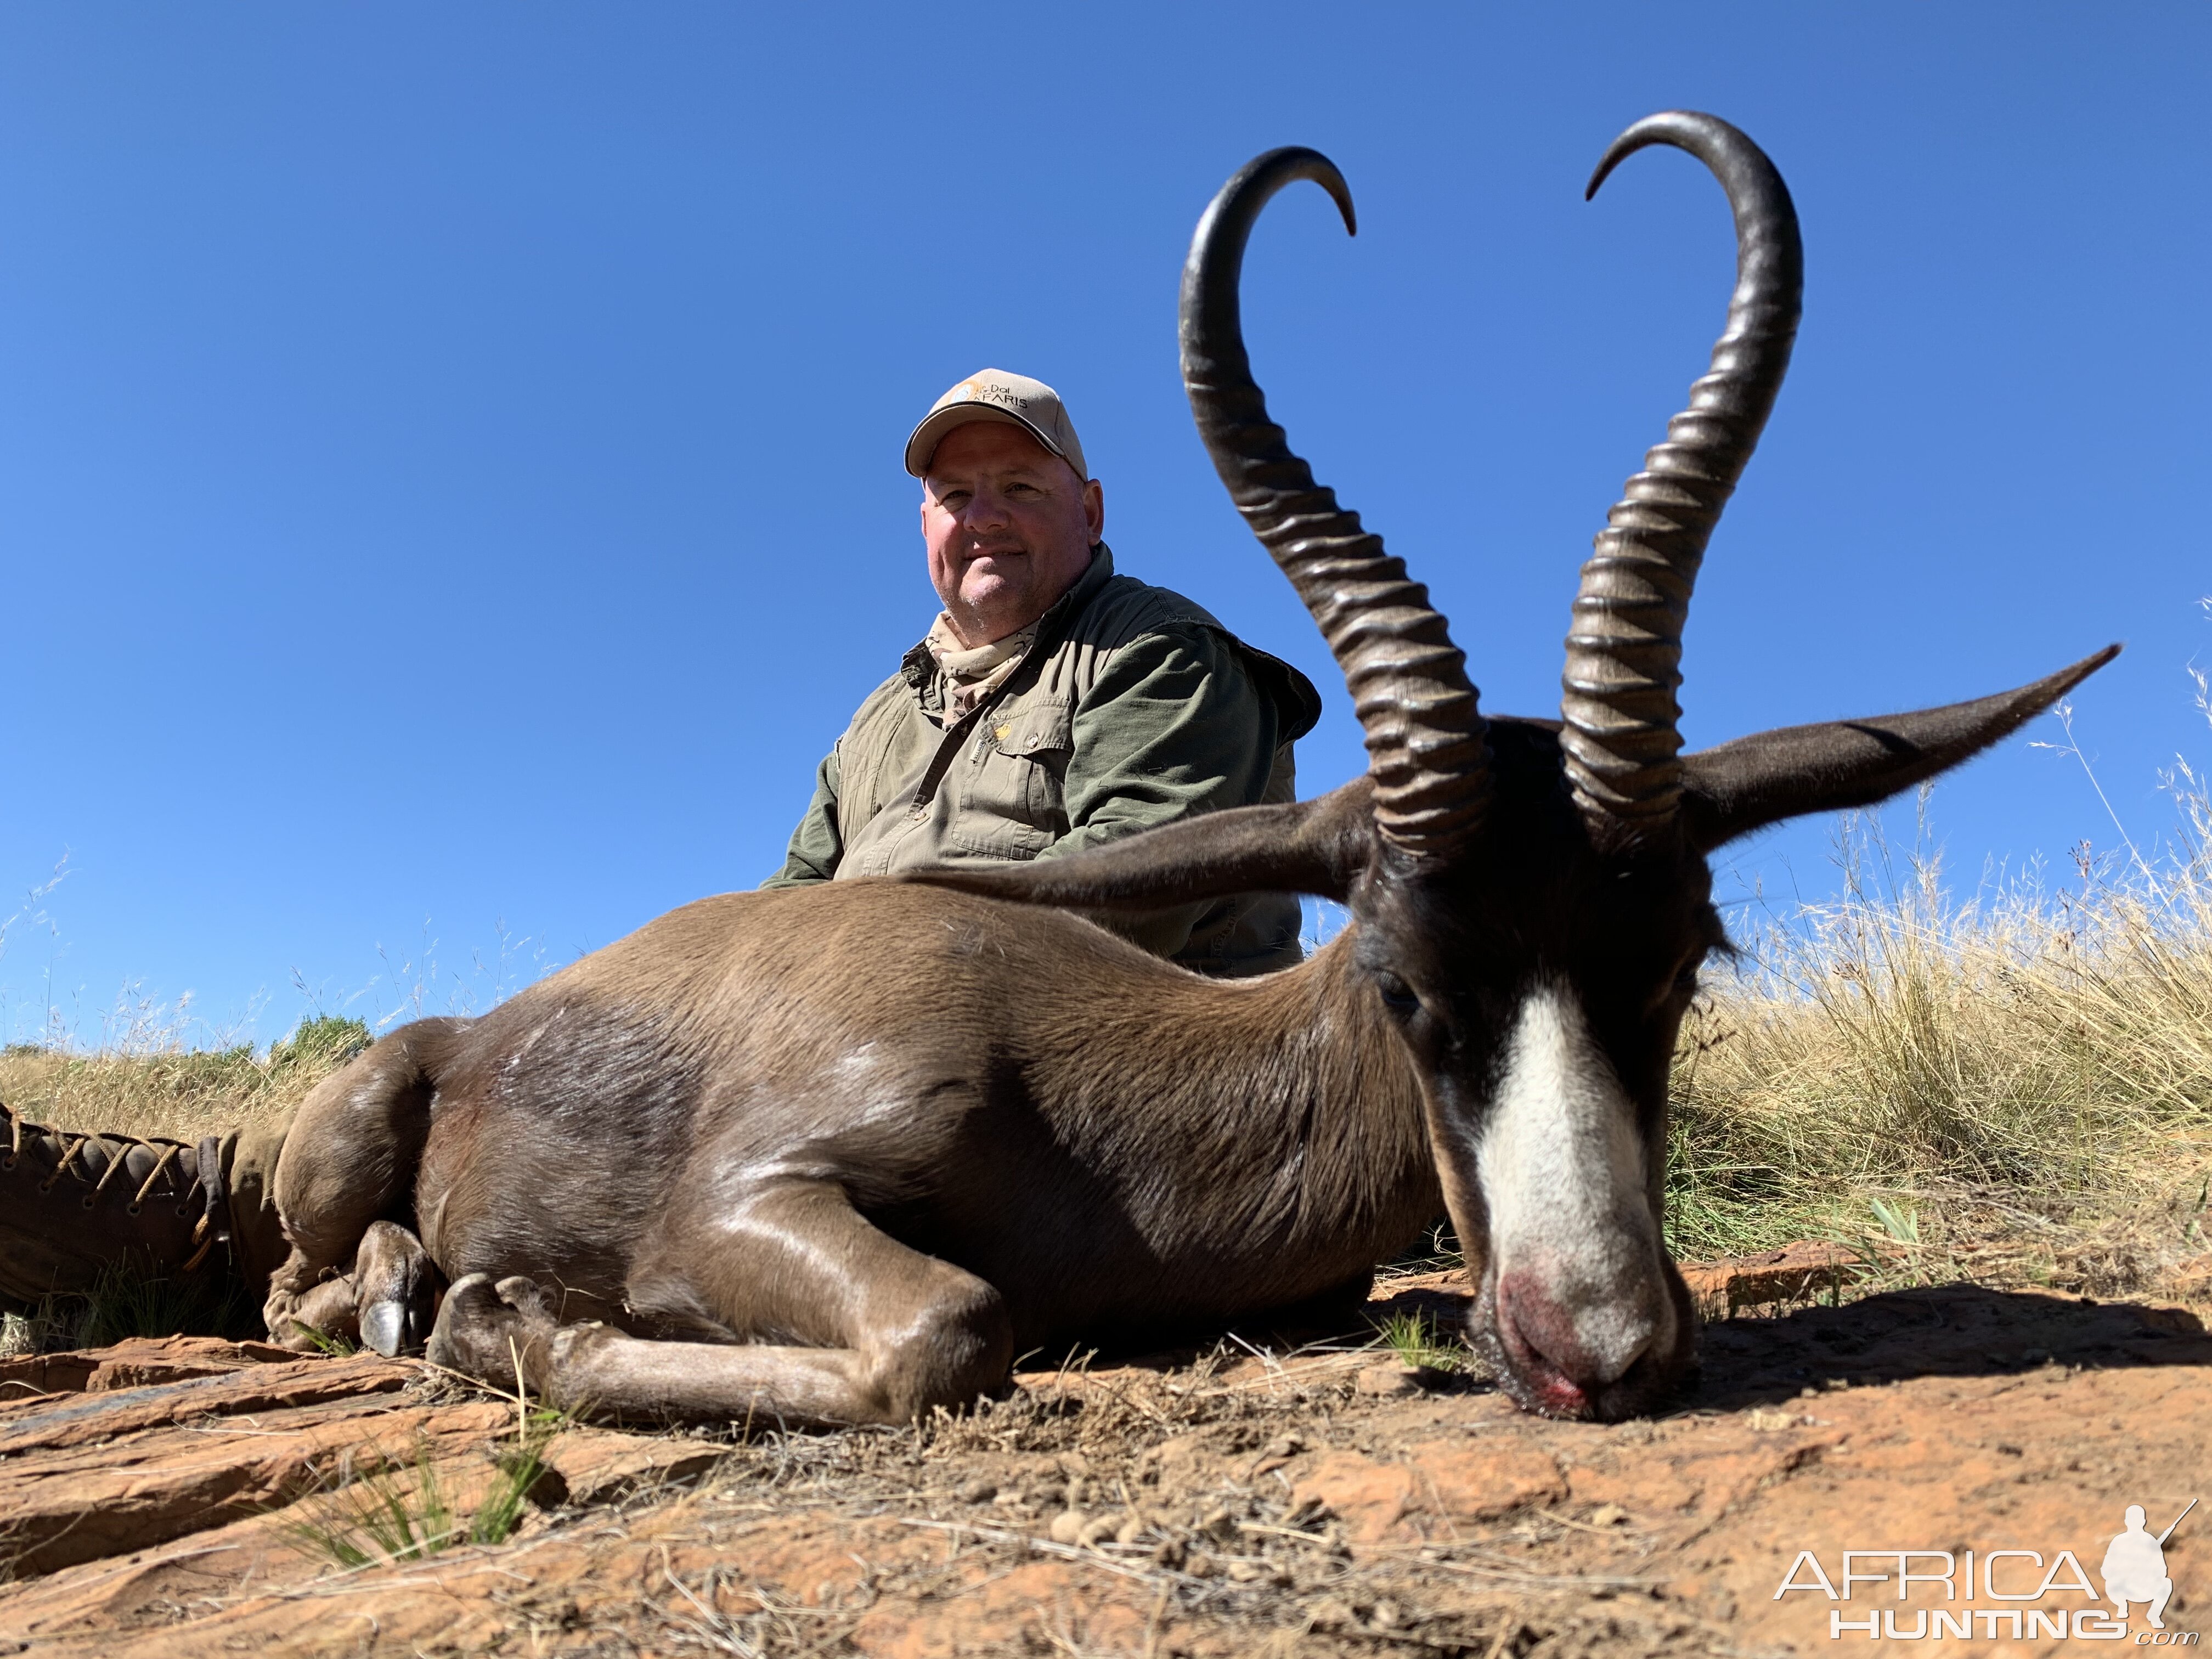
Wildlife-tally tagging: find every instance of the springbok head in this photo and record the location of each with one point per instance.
(1530, 898)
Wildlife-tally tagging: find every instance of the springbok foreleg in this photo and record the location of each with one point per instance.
(835, 1324)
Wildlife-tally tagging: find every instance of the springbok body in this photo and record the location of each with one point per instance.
(839, 1154)
(1084, 1141)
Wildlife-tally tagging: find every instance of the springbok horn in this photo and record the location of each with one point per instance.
(1426, 740)
(1625, 649)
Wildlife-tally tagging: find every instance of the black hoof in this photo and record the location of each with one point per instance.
(396, 1287)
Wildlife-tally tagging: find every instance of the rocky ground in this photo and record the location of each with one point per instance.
(194, 1497)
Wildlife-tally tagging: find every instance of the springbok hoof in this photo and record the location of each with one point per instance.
(486, 1331)
(395, 1290)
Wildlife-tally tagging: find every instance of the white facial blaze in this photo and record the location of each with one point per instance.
(1562, 1169)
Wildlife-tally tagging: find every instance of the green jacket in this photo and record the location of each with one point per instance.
(1134, 708)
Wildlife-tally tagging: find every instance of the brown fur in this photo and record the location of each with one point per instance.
(1015, 1092)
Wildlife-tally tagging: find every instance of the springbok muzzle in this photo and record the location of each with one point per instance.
(1578, 1300)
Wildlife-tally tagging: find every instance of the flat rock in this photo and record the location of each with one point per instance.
(66, 1419)
(599, 1466)
(131, 1363)
(1385, 1381)
(99, 1472)
(1794, 1273)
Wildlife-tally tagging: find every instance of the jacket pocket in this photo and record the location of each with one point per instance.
(1014, 800)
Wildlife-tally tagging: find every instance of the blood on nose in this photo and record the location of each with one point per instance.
(1541, 1338)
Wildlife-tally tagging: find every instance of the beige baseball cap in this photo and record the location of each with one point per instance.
(992, 394)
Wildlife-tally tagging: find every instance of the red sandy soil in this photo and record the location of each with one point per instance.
(174, 1498)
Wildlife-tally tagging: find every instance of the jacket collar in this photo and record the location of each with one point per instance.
(920, 668)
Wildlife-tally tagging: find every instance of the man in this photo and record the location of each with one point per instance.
(1054, 705)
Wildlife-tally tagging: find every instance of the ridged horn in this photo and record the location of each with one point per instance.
(1625, 648)
(1425, 742)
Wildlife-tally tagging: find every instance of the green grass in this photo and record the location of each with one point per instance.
(331, 1345)
(1899, 1220)
(522, 1467)
(405, 1513)
(384, 1517)
(322, 1043)
(1419, 1343)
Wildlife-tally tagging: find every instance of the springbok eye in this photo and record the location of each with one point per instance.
(1397, 995)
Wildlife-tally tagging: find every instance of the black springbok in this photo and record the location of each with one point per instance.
(837, 1155)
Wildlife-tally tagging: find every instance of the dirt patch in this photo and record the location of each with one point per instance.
(1322, 1500)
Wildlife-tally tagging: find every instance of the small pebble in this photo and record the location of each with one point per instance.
(1387, 1382)
(1067, 1525)
(1608, 1515)
(978, 1492)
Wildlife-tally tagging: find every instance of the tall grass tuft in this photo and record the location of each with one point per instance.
(169, 1089)
(2034, 1060)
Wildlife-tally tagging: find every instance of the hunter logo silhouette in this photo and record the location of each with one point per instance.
(2135, 1566)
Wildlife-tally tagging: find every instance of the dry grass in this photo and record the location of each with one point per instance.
(2019, 1083)
(1165, 1480)
(172, 1090)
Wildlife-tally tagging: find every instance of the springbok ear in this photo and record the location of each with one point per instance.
(1736, 787)
(1316, 846)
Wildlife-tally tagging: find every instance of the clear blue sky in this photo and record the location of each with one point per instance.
(449, 455)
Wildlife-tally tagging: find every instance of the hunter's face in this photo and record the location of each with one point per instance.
(1009, 527)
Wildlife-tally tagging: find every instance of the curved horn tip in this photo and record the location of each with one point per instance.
(1668, 126)
(1276, 167)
